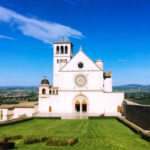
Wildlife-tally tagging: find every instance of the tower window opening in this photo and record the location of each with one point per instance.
(62, 49)
(66, 49)
(53, 91)
(43, 91)
(56, 91)
(57, 50)
(50, 92)
(57, 60)
(71, 51)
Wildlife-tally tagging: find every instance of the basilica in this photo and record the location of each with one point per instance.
(80, 86)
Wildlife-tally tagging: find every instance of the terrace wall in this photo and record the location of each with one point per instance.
(138, 114)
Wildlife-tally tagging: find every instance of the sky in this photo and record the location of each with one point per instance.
(115, 31)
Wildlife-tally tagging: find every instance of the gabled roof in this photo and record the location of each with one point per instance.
(62, 42)
(99, 60)
(80, 57)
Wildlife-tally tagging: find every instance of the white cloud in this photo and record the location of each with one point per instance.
(38, 29)
(6, 37)
(77, 2)
(122, 60)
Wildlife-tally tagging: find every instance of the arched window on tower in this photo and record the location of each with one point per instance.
(53, 91)
(66, 49)
(43, 91)
(56, 91)
(62, 49)
(57, 50)
(50, 92)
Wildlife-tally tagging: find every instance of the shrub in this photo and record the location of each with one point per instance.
(135, 128)
(47, 117)
(61, 142)
(101, 117)
(72, 141)
(33, 139)
(130, 125)
(145, 136)
(44, 138)
(7, 145)
(30, 140)
(16, 137)
(3, 138)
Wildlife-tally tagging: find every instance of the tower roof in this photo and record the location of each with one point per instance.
(62, 42)
(99, 60)
(45, 81)
(80, 48)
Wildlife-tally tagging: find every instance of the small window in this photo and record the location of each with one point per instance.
(53, 91)
(80, 65)
(62, 49)
(66, 50)
(56, 91)
(43, 91)
(57, 50)
(57, 60)
(50, 92)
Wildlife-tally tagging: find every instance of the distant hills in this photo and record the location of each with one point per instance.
(18, 87)
(132, 87)
(126, 88)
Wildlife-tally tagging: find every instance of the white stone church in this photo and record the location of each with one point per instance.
(80, 86)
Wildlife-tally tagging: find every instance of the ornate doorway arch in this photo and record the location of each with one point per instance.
(80, 104)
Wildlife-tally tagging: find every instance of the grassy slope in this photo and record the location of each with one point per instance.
(103, 134)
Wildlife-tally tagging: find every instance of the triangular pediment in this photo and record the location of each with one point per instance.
(80, 57)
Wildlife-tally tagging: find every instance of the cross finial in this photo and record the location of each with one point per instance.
(63, 38)
(80, 48)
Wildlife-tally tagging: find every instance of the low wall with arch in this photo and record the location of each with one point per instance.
(138, 114)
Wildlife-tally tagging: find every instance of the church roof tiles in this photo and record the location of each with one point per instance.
(62, 42)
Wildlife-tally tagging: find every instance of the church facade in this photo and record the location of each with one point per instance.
(79, 85)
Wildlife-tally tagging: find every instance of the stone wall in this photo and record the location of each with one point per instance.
(138, 114)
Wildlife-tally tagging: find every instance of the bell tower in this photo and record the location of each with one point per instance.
(62, 53)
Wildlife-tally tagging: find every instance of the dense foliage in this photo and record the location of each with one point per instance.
(15, 95)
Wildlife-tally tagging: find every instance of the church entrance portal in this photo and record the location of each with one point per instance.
(84, 107)
(77, 106)
(80, 104)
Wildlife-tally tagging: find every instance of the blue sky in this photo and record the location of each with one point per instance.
(115, 31)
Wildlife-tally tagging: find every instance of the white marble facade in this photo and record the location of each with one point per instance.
(79, 85)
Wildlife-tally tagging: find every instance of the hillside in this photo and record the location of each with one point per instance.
(135, 92)
(132, 87)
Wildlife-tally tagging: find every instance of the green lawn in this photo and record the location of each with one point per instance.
(102, 134)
